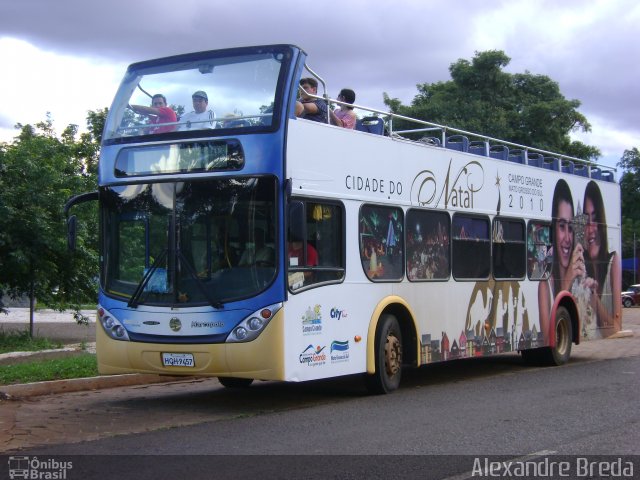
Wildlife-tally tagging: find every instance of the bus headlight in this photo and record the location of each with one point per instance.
(255, 323)
(249, 328)
(112, 326)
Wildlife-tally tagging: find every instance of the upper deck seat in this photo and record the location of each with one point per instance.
(370, 125)
(581, 170)
(550, 163)
(596, 173)
(607, 176)
(501, 152)
(517, 156)
(458, 142)
(535, 159)
(478, 147)
(567, 166)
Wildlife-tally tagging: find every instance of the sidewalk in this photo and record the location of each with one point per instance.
(56, 326)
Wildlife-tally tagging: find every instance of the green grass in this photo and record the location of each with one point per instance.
(22, 342)
(77, 366)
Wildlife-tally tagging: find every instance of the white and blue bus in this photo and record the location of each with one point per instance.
(243, 242)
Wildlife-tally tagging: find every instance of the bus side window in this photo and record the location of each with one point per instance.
(315, 239)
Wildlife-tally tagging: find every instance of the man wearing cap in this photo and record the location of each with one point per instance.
(200, 117)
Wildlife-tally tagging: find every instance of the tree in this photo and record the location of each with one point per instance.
(39, 172)
(481, 97)
(630, 197)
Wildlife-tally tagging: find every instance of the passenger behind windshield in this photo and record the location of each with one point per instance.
(200, 117)
(159, 114)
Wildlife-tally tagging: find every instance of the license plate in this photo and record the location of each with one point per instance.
(178, 360)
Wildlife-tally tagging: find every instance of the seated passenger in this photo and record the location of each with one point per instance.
(314, 109)
(296, 259)
(199, 118)
(159, 114)
(296, 254)
(344, 116)
(258, 254)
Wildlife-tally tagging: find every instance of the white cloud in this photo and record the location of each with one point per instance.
(41, 81)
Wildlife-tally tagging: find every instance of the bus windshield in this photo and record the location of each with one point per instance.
(198, 93)
(189, 243)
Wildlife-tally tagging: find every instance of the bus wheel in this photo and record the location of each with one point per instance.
(388, 351)
(559, 355)
(235, 382)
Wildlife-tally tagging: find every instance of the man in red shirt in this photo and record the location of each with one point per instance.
(158, 113)
(296, 259)
(296, 255)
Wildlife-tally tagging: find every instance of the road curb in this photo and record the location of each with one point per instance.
(621, 334)
(53, 387)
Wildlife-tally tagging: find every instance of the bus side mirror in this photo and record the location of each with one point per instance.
(71, 233)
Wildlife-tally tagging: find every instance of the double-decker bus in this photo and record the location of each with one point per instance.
(243, 242)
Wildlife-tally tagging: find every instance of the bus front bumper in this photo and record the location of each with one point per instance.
(262, 358)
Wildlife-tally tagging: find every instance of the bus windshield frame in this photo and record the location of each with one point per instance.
(243, 89)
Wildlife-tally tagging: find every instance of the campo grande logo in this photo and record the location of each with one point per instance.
(313, 356)
(312, 321)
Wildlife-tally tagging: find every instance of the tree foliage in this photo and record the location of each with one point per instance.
(630, 196)
(481, 97)
(39, 171)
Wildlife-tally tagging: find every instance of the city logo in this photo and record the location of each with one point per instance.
(313, 356)
(337, 313)
(312, 321)
(339, 351)
(175, 324)
(26, 467)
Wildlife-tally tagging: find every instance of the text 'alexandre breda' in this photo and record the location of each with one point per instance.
(547, 467)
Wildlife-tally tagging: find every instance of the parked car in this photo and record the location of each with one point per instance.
(632, 296)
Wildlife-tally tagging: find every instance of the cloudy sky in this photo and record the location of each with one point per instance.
(68, 56)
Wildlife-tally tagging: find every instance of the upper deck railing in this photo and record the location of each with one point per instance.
(461, 140)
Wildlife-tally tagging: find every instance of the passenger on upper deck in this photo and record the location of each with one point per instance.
(345, 116)
(158, 113)
(314, 109)
(199, 118)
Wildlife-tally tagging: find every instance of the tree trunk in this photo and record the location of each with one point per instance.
(32, 307)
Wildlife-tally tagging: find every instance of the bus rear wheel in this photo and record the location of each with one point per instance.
(388, 357)
(560, 353)
(235, 382)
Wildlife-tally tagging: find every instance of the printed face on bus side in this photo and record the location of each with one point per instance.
(592, 235)
(564, 233)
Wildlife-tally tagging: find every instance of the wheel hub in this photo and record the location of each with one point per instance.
(392, 355)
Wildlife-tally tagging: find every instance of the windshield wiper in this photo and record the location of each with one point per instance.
(133, 301)
(214, 303)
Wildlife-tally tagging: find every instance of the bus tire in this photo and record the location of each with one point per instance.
(235, 382)
(388, 361)
(559, 354)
